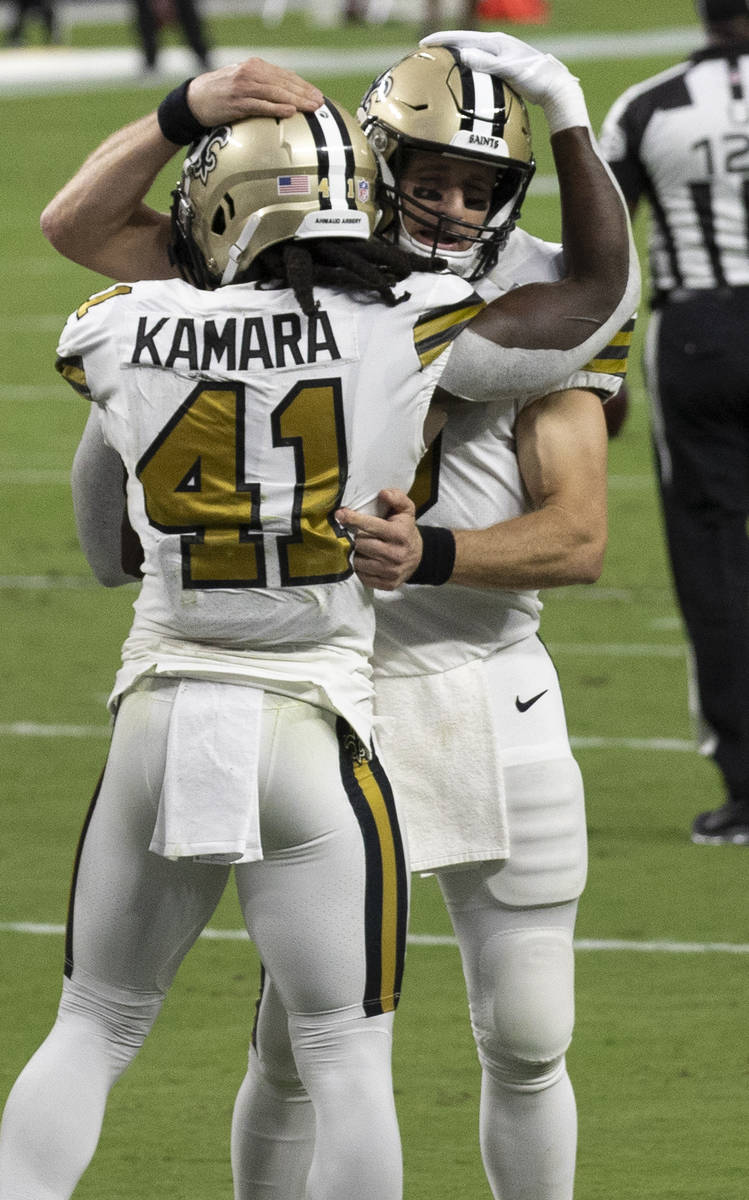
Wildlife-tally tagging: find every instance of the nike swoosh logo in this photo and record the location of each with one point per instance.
(524, 705)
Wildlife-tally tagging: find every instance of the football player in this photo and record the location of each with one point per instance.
(511, 498)
(245, 406)
(527, 495)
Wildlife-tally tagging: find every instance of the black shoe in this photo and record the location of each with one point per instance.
(728, 825)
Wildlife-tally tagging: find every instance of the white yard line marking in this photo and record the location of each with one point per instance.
(64, 69)
(44, 583)
(429, 939)
(35, 477)
(34, 323)
(36, 730)
(32, 391)
(678, 745)
(618, 649)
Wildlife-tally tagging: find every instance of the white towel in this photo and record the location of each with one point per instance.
(439, 750)
(208, 808)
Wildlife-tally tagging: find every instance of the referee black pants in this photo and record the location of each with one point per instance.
(697, 367)
(189, 18)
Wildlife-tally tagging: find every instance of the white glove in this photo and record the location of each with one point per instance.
(539, 78)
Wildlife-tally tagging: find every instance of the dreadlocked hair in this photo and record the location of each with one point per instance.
(345, 263)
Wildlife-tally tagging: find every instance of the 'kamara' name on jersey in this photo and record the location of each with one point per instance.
(239, 344)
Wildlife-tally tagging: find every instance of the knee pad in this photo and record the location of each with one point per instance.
(524, 1014)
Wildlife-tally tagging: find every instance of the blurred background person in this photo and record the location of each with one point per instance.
(680, 140)
(43, 9)
(524, 12)
(434, 14)
(153, 15)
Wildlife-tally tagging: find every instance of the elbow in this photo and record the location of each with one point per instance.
(589, 561)
(51, 226)
(64, 232)
(56, 229)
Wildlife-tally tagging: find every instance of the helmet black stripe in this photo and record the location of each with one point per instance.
(477, 106)
(323, 157)
(335, 156)
(500, 112)
(348, 151)
(468, 107)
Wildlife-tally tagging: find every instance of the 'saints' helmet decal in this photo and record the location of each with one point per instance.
(245, 187)
(428, 101)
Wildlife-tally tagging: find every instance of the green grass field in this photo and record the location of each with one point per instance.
(660, 1059)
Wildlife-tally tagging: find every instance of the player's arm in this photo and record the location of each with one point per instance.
(561, 444)
(107, 540)
(521, 345)
(562, 452)
(100, 218)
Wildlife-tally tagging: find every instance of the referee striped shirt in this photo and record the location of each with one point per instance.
(681, 139)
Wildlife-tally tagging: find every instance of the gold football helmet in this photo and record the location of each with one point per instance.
(429, 101)
(263, 180)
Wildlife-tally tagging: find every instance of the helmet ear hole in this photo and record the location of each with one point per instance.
(219, 222)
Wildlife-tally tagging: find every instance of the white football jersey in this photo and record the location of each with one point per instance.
(243, 426)
(469, 480)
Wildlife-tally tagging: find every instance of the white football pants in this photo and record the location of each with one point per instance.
(514, 922)
(326, 907)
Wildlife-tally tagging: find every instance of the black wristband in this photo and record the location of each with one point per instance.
(176, 121)
(437, 555)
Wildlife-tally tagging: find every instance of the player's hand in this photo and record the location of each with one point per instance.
(253, 88)
(387, 550)
(539, 78)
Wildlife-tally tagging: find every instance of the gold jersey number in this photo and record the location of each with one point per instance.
(193, 481)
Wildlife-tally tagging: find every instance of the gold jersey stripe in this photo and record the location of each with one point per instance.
(613, 358)
(373, 795)
(622, 338)
(607, 366)
(122, 289)
(434, 331)
(72, 370)
(386, 888)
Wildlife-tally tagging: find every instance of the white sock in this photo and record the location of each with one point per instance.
(272, 1137)
(54, 1114)
(529, 1140)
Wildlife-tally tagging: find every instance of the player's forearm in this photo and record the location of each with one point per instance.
(600, 289)
(99, 219)
(598, 247)
(548, 548)
(97, 481)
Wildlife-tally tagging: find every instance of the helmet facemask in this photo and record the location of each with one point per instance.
(486, 235)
